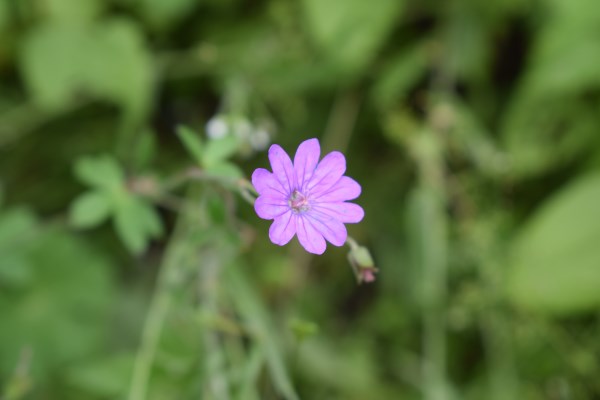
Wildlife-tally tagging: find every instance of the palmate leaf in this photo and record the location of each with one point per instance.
(136, 222)
(218, 150)
(102, 172)
(213, 154)
(90, 209)
(192, 143)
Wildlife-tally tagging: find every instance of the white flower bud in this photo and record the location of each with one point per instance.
(242, 128)
(260, 139)
(216, 127)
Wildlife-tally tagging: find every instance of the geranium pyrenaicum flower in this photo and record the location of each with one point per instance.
(307, 198)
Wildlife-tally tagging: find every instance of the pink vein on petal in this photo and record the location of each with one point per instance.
(283, 228)
(333, 230)
(344, 189)
(269, 207)
(282, 167)
(309, 237)
(348, 213)
(264, 181)
(305, 160)
(328, 172)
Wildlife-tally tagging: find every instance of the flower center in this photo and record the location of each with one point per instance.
(298, 202)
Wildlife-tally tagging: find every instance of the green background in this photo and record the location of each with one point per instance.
(132, 268)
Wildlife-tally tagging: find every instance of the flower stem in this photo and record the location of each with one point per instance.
(353, 244)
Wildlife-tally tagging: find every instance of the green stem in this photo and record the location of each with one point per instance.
(432, 225)
(179, 246)
(496, 333)
(353, 244)
(434, 312)
(150, 338)
(153, 325)
(217, 382)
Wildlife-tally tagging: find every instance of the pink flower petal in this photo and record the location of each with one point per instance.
(283, 228)
(309, 237)
(367, 275)
(265, 183)
(320, 208)
(344, 212)
(344, 189)
(333, 230)
(282, 167)
(306, 159)
(270, 207)
(328, 172)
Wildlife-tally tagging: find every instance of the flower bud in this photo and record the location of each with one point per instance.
(362, 264)
(216, 127)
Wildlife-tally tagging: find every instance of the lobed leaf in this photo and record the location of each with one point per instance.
(89, 210)
(99, 171)
(192, 143)
(136, 222)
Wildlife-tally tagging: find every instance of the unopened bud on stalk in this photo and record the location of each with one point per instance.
(362, 264)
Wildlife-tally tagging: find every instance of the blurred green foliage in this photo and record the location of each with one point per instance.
(131, 267)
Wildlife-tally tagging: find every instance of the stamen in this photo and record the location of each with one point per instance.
(298, 202)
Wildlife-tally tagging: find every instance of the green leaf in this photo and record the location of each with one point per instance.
(99, 171)
(564, 54)
(550, 121)
(399, 75)
(345, 32)
(75, 12)
(120, 66)
(163, 14)
(556, 257)
(63, 311)
(51, 60)
(108, 61)
(136, 222)
(192, 142)
(89, 209)
(17, 232)
(218, 150)
(426, 241)
(15, 225)
(225, 170)
(107, 377)
(530, 123)
(15, 270)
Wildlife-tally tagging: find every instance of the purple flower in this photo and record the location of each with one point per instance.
(307, 198)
